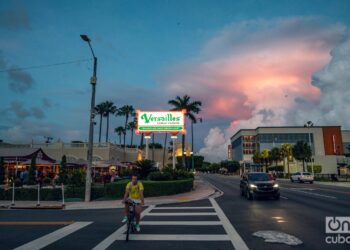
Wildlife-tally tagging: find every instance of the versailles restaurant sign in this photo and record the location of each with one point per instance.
(160, 121)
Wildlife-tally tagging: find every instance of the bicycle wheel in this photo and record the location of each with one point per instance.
(128, 230)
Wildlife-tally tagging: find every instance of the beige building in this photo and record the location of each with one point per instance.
(329, 144)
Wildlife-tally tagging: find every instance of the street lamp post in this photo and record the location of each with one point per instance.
(174, 137)
(308, 125)
(93, 81)
(192, 146)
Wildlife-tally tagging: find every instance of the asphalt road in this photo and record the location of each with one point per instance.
(226, 222)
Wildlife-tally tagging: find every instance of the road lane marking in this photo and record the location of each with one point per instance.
(182, 214)
(310, 193)
(283, 197)
(178, 237)
(235, 238)
(185, 223)
(117, 234)
(189, 208)
(34, 223)
(54, 236)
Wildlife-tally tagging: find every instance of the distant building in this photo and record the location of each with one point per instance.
(329, 144)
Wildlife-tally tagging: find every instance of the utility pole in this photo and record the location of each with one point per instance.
(93, 82)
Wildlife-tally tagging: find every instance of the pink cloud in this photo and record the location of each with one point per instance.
(269, 68)
(253, 72)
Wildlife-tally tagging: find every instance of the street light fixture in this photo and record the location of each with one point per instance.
(93, 82)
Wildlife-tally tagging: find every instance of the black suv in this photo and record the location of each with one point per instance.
(254, 185)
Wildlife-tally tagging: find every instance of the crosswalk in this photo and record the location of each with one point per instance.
(165, 223)
(153, 211)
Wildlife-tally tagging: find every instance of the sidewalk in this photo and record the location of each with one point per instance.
(326, 183)
(201, 191)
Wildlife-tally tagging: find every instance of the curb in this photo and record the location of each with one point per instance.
(37, 207)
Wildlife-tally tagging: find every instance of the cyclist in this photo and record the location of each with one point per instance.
(134, 191)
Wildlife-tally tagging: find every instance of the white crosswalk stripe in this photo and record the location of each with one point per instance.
(184, 212)
(54, 236)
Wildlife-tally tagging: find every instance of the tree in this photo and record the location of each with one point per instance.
(301, 152)
(110, 108)
(286, 152)
(231, 166)
(2, 171)
(127, 111)
(275, 155)
(32, 168)
(145, 167)
(63, 175)
(266, 158)
(120, 131)
(132, 127)
(192, 108)
(100, 109)
(257, 157)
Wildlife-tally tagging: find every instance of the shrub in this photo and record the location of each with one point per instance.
(110, 190)
(276, 168)
(160, 176)
(317, 169)
(47, 181)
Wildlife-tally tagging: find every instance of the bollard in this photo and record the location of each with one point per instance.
(38, 203)
(62, 186)
(13, 194)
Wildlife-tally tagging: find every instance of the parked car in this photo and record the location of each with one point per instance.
(257, 184)
(302, 177)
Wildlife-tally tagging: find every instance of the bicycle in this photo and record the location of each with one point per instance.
(131, 219)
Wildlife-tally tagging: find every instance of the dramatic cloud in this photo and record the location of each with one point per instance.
(20, 81)
(253, 72)
(22, 112)
(14, 19)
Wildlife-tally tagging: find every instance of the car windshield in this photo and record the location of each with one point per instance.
(259, 177)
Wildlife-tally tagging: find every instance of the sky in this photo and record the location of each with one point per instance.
(251, 63)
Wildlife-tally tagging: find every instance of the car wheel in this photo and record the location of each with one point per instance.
(300, 181)
(311, 182)
(277, 197)
(291, 180)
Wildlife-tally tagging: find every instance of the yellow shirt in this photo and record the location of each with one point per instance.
(134, 190)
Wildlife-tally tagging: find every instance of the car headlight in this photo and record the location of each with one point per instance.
(275, 185)
(252, 186)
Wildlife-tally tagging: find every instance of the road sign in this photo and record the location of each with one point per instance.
(161, 121)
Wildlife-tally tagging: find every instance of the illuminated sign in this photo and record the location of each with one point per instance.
(161, 121)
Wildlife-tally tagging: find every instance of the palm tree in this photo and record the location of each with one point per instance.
(110, 108)
(302, 151)
(100, 109)
(132, 127)
(286, 152)
(276, 155)
(192, 108)
(127, 111)
(266, 157)
(120, 131)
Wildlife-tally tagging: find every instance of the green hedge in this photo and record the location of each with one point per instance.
(152, 188)
(111, 190)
